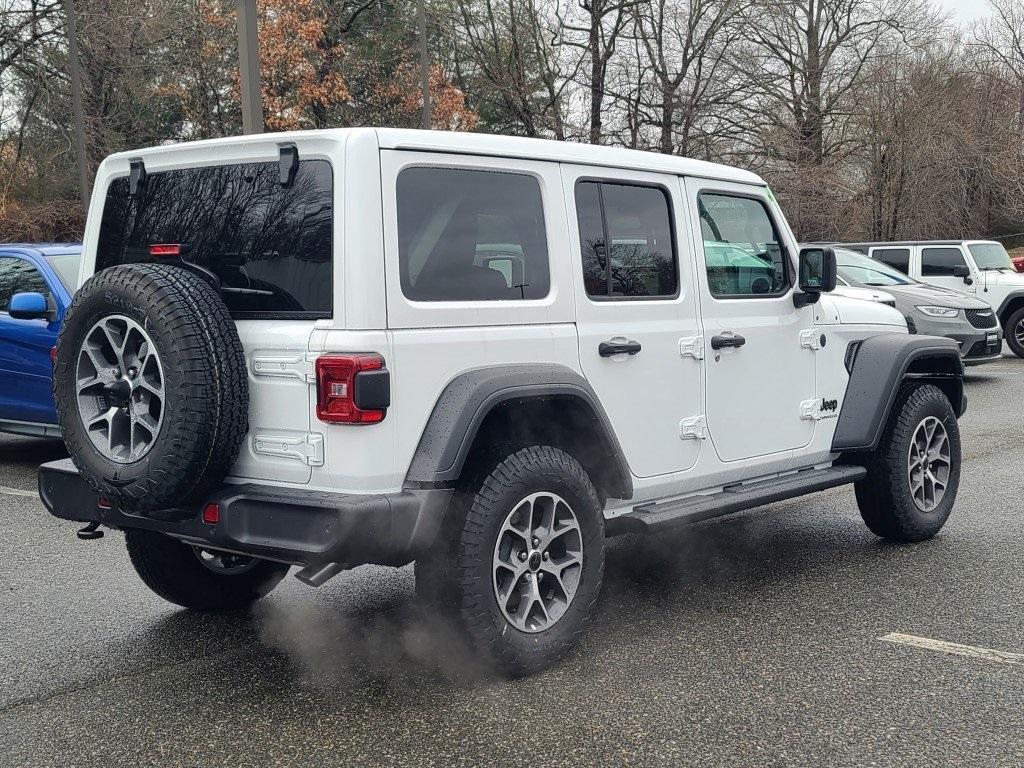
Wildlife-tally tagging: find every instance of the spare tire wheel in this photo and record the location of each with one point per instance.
(150, 384)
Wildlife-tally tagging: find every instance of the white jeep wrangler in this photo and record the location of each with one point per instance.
(482, 354)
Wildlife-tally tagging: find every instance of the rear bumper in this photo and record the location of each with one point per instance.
(308, 528)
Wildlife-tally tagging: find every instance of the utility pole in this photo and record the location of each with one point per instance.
(424, 64)
(78, 113)
(249, 66)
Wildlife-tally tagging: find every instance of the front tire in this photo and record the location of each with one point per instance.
(526, 560)
(914, 474)
(199, 579)
(1014, 332)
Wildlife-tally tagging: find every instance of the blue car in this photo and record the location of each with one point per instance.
(36, 285)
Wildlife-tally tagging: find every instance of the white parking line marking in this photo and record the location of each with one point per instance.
(18, 492)
(941, 646)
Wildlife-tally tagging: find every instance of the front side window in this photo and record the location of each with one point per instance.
(743, 252)
(468, 235)
(19, 276)
(626, 240)
(897, 258)
(270, 245)
(941, 262)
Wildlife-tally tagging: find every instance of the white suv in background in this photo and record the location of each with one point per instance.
(980, 268)
(479, 353)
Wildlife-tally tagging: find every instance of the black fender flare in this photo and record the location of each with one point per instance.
(878, 367)
(1005, 304)
(469, 397)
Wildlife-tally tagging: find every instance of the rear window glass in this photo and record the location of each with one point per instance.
(471, 236)
(270, 245)
(626, 240)
(897, 258)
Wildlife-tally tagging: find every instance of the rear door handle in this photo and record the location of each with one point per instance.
(609, 348)
(727, 340)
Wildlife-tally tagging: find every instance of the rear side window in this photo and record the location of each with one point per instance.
(271, 246)
(897, 258)
(626, 240)
(467, 235)
(19, 276)
(939, 262)
(743, 252)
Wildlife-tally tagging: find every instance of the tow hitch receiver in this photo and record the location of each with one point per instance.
(91, 532)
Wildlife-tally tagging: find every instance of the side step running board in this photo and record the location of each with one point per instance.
(657, 516)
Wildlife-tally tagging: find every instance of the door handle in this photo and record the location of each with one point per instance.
(609, 348)
(727, 340)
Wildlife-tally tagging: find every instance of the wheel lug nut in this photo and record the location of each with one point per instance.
(547, 555)
(526, 578)
(522, 557)
(536, 541)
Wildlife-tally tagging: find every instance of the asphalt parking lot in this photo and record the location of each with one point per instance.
(752, 640)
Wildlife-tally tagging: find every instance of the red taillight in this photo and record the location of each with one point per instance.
(211, 513)
(165, 249)
(336, 389)
(53, 355)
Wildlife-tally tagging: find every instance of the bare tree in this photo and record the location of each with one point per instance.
(508, 58)
(603, 23)
(687, 44)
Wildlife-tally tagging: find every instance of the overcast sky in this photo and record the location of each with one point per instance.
(966, 10)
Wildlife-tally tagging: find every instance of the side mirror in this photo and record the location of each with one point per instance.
(817, 273)
(963, 271)
(29, 306)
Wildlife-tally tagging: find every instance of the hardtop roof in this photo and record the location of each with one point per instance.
(489, 145)
(908, 243)
(44, 249)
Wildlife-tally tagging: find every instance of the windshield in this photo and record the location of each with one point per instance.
(66, 265)
(860, 270)
(990, 256)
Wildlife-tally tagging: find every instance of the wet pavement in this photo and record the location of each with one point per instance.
(751, 640)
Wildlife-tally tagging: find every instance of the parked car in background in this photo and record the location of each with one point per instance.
(929, 310)
(36, 285)
(864, 294)
(1017, 259)
(980, 268)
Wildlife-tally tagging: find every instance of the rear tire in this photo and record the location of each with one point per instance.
(554, 565)
(1014, 332)
(897, 500)
(177, 572)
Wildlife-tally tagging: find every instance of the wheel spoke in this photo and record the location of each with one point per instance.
(120, 381)
(538, 558)
(929, 463)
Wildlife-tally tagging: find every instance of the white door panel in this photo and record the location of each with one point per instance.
(279, 445)
(754, 391)
(647, 395)
(933, 262)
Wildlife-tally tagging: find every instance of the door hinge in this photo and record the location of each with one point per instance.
(284, 367)
(307, 448)
(695, 428)
(812, 339)
(819, 408)
(692, 346)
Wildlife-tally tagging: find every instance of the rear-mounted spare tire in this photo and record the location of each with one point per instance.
(151, 387)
